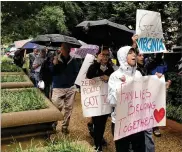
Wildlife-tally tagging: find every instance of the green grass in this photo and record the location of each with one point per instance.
(174, 112)
(9, 67)
(60, 146)
(21, 100)
(13, 78)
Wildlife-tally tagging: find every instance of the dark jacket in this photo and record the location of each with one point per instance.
(45, 73)
(142, 69)
(64, 73)
(95, 71)
(153, 66)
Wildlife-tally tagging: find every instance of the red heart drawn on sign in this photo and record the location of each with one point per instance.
(159, 115)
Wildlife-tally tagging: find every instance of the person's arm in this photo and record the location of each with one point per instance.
(76, 69)
(56, 67)
(105, 77)
(112, 91)
(41, 74)
(36, 63)
(134, 40)
(93, 70)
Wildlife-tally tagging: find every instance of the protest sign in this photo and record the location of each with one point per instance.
(94, 100)
(141, 104)
(86, 64)
(149, 31)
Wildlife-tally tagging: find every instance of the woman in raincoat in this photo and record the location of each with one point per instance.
(127, 70)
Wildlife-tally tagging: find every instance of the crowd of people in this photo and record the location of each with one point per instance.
(59, 70)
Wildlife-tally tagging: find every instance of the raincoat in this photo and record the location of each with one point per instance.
(115, 79)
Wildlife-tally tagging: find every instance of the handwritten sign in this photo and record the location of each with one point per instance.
(83, 70)
(149, 31)
(94, 94)
(141, 105)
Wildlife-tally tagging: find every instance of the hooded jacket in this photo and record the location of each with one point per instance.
(115, 79)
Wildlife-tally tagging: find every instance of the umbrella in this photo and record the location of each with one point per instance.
(56, 40)
(82, 43)
(84, 50)
(20, 43)
(103, 32)
(30, 45)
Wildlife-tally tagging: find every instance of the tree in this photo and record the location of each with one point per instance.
(51, 19)
(21, 20)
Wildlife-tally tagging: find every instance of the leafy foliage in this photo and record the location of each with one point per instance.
(174, 97)
(51, 19)
(61, 17)
(175, 91)
(5, 59)
(21, 100)
(174, 112)
(13, 78)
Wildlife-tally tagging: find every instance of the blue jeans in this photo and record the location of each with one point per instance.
(149, 143)
(36, 76)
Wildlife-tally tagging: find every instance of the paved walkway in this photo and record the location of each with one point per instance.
(171, 140)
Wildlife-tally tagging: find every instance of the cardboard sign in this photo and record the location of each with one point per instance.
(83, 70)
(141, 104)
(149, 31)
(94, 100)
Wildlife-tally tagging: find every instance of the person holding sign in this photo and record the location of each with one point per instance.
(149, 142)
(100, 68)
(127, 59)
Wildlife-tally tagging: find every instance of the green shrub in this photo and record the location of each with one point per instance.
(13, 78)
(9, 67)
(5, 59)
(174, 112)
(21, 100)
(174, 95)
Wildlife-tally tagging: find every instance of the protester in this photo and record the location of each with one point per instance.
(155, 64)
(127, 70)
(26, 62)
(45, 73)
(64, 70)
(100, 68)
(32, 57)
(18, 58)
(37, 65)
(149, 143)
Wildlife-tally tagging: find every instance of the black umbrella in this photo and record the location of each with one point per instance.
(55, 40)
(103, 32)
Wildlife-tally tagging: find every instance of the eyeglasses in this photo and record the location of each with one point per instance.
(105, 55)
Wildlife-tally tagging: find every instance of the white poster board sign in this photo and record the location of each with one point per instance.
(86, 64)
(94, 100)
(149, 31)
(141, 104)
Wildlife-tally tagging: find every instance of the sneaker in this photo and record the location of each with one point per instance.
(97, 150)
(54, 126)
(156, 132)
(65, 131)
